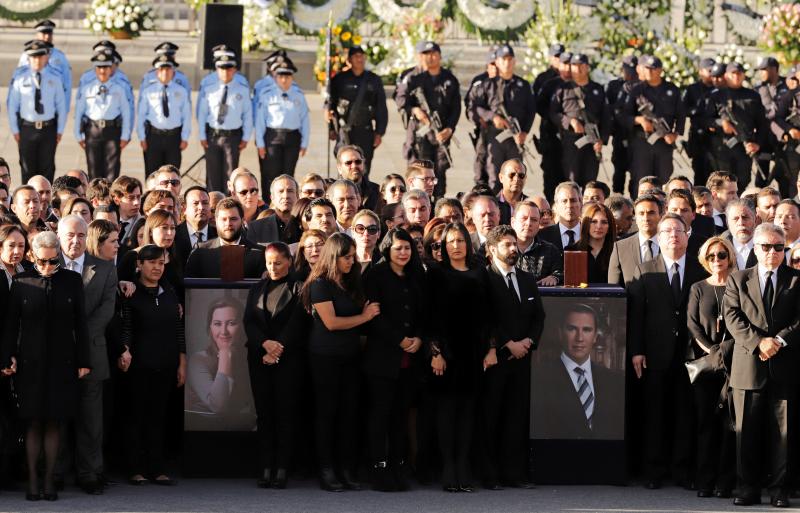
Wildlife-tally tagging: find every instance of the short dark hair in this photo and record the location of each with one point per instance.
(497, 233)
(66, 182)
(717, 179)
(652, 180)
(682, 178)
(676, 217)
(124, 185)
(149, 252)
(98, 188)
(280, 247)
(790, 201)
(229, 203)
(319, 202)
(448, 202)
(617, 202)
(349, 147)
(597, 184)
(193, 188)
(685, 195)
(650, 197)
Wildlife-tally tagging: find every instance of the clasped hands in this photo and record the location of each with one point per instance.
(768, 347)
(82, 372)
(519, 349)
(411, 344)
(274, 351)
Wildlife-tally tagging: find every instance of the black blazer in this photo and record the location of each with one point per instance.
(703, 226)
(183, 243)
(552, 234)
(752, 260)
(747, 323)
(658, 326)
(514, 319)
(557, 412)
(288, 325)
(263, 231)
(204, 262)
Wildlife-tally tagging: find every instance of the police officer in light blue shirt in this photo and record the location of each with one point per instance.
(282, 125)
(117, 75)
(56, 59)
(225, 121)
(169, 49)
(164, 120)
(213, 78)
(37, 112)
(103, 120)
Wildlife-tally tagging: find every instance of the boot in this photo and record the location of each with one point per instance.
(381, 478)
(264, 480)
(400, 476)
(349, 482)
(328, 480)
(280, 479)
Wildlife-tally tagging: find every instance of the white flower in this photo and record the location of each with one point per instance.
(119, 23)
(137, 9)
(128, 10)
(109, 24)
(127, 19)
(134, 26)
(148, 23)
(86, 22)
(96, 27)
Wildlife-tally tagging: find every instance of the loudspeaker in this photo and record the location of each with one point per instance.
(222, 24)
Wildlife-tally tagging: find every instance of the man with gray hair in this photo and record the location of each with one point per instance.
(346, 197)
(567, 204)
(280, 226)
(741, 219)
(622, 209)
(99, 292)
(762, 315)
(418, 207)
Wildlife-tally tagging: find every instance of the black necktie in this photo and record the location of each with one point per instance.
(648, 252)
(511, 286)
(769, 294)
(198, 238)
(223, 107)
(675, 283)
(724, 220)
(37, 95)
(571, 237)
(165, 102)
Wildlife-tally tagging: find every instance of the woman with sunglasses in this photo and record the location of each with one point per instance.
(46, 344)
(366, 233)
(393, 215)
(716, 451)
(794, 257)
(392, 190)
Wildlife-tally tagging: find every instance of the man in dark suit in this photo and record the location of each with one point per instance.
(567, 206)
(763, 315)
(486, 215)
(681, 202)
(351, 165)
(741, 217)
(724, 189)
(632, 251)
(512, 176)
(517, 324)
(658, 341)
(196, 228)
(575, 398)
(99, 286)
(205, 261)
(280, 226)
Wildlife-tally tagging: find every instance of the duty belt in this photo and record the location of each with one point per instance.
(164, 131)
(218, 132)
(38, 125)
(107, 123)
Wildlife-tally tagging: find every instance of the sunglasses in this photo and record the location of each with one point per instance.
(795, 260)
(356, 162)
(779, 248)
(721, 255)
(245, 192)
(517, 175)
(436, 246)
(396, 188)
(371, 229)
(314, 192)
(164, 183)
(548, 213)
(41, 262)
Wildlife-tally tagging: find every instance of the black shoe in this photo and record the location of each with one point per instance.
(91, 487)
(746, 500)
(52, 497)
(400, 477)
(450, 487)
(525, 485)
(723, 494)
(686, 484)
(492, 485)
(105, 481)
(280, 479)
(467, 488)
(265, 481)
(704, 494)
(349, 481)
(33, 497)
(328, 480)
(653, 485)
(780, 501)
(382, 479)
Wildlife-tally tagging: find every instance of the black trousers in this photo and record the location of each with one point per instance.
(389, 404)
(621, 160)
(648, 159)
(148, 393)
(550, 148)
(364, 138)
(163, 147)
(733, 160)
(669, 433)
(716, 442)
(37, 151)
(456, 422)
(480, 173)
(336, 382)
(762, 437)
(102, 151)
(580, 165)
(787, 174)
(701, 158)
(277, 397)
(222, 157)
(499, 152)
(283, 150)
(506, 403)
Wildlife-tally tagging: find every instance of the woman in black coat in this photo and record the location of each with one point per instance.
(46, 343)
(390, 359)
(275, 322)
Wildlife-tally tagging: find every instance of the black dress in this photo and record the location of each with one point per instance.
(173, 271)
(45, 329)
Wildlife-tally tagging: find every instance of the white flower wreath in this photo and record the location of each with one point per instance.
(313, 18)
(517, 13)
(391, 12)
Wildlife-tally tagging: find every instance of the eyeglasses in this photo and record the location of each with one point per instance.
(436, 246)
(245, 192)
(41, 262)
(356, 162)
(427, 179)
(396, 188)
(314, 192)
(165, 183)
(371, 229)
(721, 255)
(778, 248)
(547, 213)
(521, 176)
(309, 247)
(672, 231)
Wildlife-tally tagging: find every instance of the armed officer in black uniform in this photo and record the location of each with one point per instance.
(771, 88)
(508, 107)
(549, 145)
(694, 101)
(479, 134)
(655, 117)
(357, 104)
(617, 92)
(554, 53)
(431, 98)
(738, 125)
(583, 118)
(787, 117)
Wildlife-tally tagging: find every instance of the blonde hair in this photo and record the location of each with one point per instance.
(704, 249)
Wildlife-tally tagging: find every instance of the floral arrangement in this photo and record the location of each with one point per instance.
(680, 55)
(780, 34)
(560, 23)
(127, 16)
(263, 24)
(313, 17)
(401, 41)
(390, 12)
(343, 37)
(496, 20)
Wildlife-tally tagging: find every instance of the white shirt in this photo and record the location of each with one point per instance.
(19, 269)
(75, 265)
(193, 234)
(742, 252)
(570, 365)
(681, 267)
(643, 246)
(513, 278)
(565, 238)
